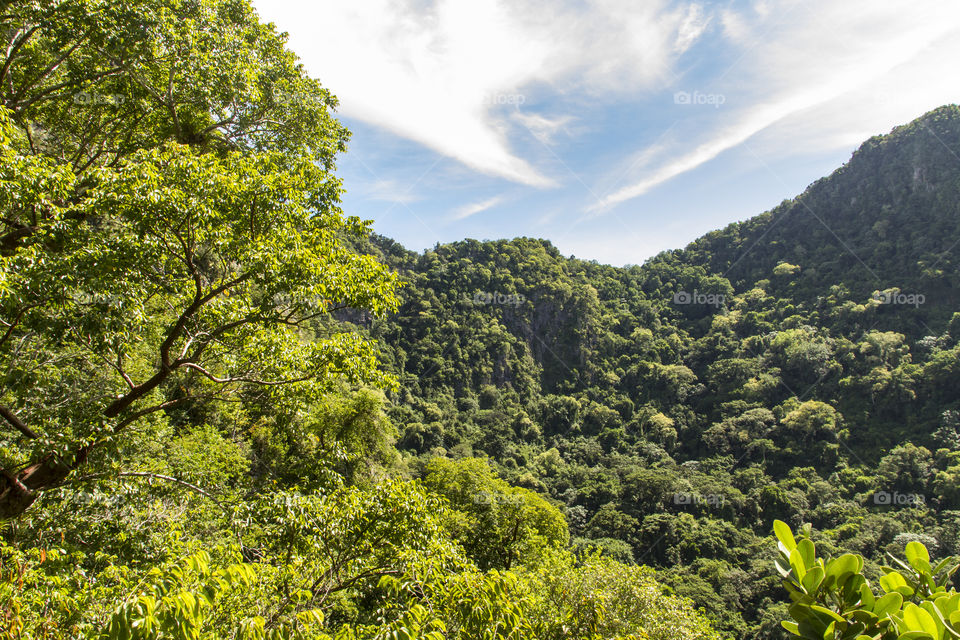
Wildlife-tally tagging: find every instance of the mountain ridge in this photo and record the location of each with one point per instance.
(763, 365)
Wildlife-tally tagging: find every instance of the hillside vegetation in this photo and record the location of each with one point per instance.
(801, 365)
(228, 410)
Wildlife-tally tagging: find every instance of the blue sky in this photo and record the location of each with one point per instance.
(614, 128)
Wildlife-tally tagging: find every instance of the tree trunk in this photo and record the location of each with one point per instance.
(18, 492)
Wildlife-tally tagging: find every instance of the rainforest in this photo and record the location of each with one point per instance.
(230, 409)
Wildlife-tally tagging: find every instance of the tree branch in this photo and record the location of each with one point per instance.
(267, 383)
(14, 49)
(145, 412)
(17, 424)
(122, 403)
(159, 476)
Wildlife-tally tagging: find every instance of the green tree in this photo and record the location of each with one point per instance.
(498, 525)
(192, 262)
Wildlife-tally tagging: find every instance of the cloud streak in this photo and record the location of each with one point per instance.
(466, 211)
(445, 73)
(847, 48)
(572, 98)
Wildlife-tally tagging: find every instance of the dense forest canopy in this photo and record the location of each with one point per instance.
(227, 409)
(801, 365)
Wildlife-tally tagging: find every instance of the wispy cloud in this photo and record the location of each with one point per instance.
(808, 65)
(466, 211)
(541, 127)
(691, 28)
(442, 72)
(578, 95)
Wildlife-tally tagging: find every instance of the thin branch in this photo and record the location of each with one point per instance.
(13, 323)
(119, 405)
(160, 476)
(12, 52)
(53, 66)
(52, 92)
(268, 383)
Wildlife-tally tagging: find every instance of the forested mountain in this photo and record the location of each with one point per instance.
(191, 445)
(229, 411)
(887, 219)
(800, 365)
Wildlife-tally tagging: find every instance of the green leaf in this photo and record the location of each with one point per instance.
(916, 551)
(827, 612)
(893, 581)
(917, 619)
(811, 581)
(867, 599)
(841, 568)
(784, 534)
(918, 557)
(792, 627)
(807, 552)
(887, 604)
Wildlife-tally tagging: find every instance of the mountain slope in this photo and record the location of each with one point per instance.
(792, 366)
(888, 218)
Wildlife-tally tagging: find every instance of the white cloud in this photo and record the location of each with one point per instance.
(473, 79)
(541, 127)
(826, 54)
(439, 71)
(472, 209)
(735, 27)
(761, 8)
(692, 27)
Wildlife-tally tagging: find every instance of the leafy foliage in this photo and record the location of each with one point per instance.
(833, 599)
(197, 442)
(675, 433)
(223, 416)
